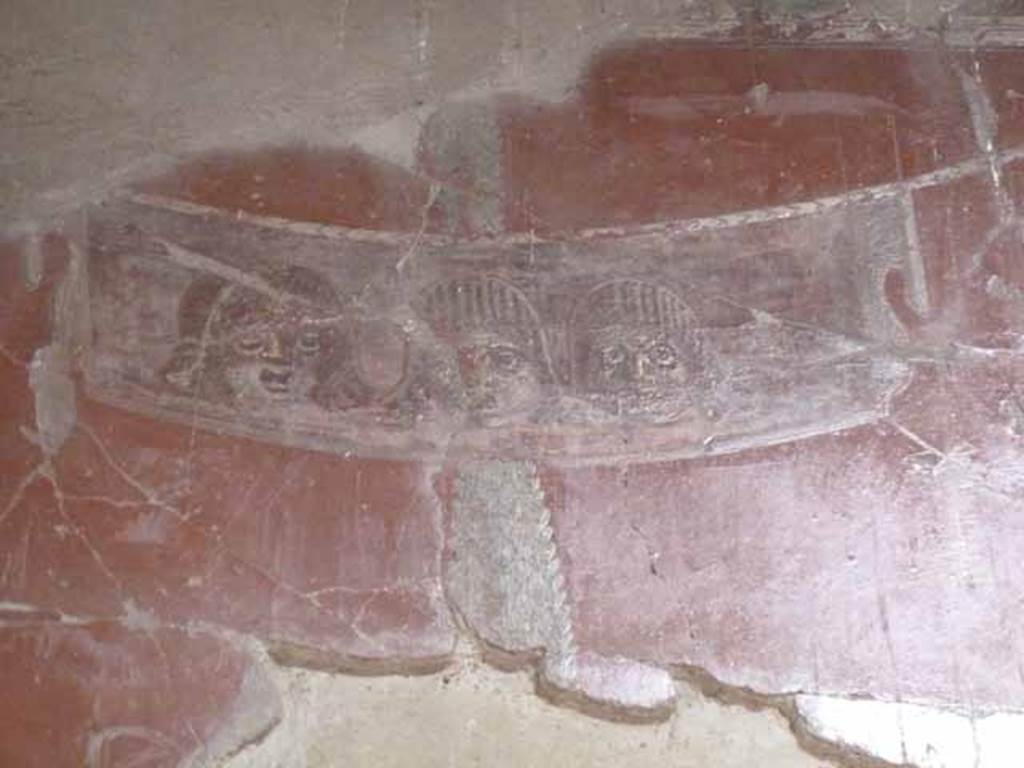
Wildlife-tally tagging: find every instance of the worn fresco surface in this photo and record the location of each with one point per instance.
(713, 370)
(590, 348)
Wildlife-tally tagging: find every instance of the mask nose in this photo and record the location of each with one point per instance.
(472, 366)
(274, 351)
(641, 366)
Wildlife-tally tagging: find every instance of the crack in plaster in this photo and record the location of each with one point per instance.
(556, 628)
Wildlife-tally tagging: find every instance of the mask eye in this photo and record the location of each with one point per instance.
(506, 359)
(613, 356)
(664, 355)
(250, 344)
(308, 341)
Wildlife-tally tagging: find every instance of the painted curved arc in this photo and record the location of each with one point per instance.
(665, 227)
(98, 741)
(538, 324)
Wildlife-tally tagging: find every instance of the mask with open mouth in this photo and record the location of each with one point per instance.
(259, 349)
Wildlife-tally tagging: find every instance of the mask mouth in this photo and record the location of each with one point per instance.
(494, 415)
(634, 395)
(482, 402)
(276, 381)
(648, 405)
(490, 409)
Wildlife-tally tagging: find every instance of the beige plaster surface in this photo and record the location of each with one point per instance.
(476, 715)
(93, 93)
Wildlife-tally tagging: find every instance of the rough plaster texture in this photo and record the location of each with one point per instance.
(502, 534)
(95, 92)
(94, 95)
(921, 736)
(474, 714)
(505, 579)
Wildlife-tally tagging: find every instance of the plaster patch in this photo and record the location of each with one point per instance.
(54, 397)
(505, 578)
(504, 573)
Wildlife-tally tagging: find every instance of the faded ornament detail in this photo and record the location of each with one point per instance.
(571, 350)
(257, 348)
(498, 345)
(635, 355)
(505, 577)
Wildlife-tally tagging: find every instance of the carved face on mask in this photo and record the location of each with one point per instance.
(256, 349)
(268, 350)
(497, 345)
(633, 356)
(500, 378)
